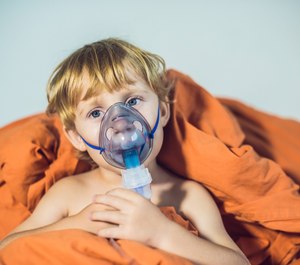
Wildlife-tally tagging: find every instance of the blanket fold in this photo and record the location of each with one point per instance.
(249, 161)
(209, 148)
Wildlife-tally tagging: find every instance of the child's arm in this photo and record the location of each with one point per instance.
(138, 219)
(52, 214)
(214, 245)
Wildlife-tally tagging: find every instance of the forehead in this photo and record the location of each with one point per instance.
(104, 99)
(92, 87)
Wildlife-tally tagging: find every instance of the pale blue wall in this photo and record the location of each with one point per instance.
(239, 49)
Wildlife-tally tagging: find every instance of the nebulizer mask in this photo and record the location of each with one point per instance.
(125, 141)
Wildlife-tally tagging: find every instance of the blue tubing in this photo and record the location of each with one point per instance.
(131, 158)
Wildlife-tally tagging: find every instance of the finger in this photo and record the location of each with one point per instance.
(126, 194)
(115, 217)
(111, 232)
(116, 202)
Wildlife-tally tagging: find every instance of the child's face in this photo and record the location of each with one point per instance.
(89, 114)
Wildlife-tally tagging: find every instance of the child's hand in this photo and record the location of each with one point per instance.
(83, 220)
(135, 218)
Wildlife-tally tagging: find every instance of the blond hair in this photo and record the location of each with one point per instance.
(105, 63)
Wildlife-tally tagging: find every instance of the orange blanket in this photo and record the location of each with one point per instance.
(78, 247)
(247, 159)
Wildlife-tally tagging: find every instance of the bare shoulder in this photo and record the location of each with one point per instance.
(56, 204)
(194, 188)
(69, 183)
(75, 183)
(199, 207)
(62, 193)
(64, 188)
(74, 192)
(51, 208)
(197, 199)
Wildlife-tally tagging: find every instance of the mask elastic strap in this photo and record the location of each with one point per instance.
(101, 149)
(151, 134)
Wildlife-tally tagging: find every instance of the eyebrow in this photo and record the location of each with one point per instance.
(92, 103)
(134, 90)
(127, 92)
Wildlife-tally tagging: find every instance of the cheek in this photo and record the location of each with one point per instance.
(157, 144)
(158, 140)
(90, 132)
(99, 160)
(94, 155)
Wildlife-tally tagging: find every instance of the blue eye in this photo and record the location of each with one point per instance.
(95, 114)
(133, 101)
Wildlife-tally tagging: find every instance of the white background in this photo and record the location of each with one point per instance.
(247, 50)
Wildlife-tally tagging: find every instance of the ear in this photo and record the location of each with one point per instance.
(75, 139)
(164, 112)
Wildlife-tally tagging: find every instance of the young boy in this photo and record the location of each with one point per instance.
(113, 77)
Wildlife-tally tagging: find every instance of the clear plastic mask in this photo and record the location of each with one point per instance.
(124, 130)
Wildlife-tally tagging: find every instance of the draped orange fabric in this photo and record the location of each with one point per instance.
(249, 161)
(80, 247)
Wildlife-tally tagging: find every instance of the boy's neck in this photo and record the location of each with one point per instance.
(110, 177)
(115, 178)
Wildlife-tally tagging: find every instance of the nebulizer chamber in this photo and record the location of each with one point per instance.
(136, 177)
(124, 138)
